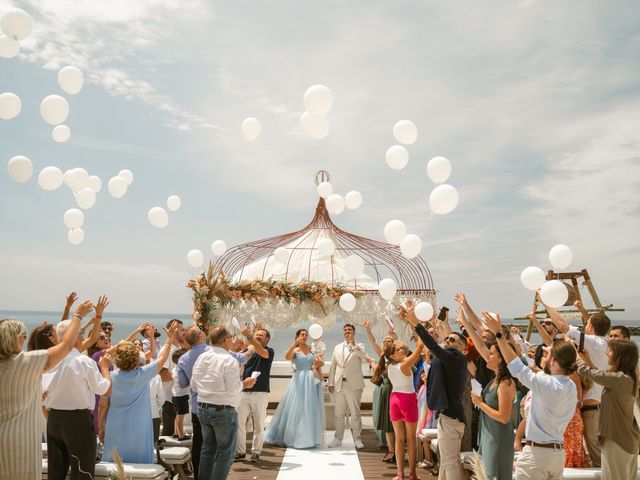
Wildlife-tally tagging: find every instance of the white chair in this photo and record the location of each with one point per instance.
(177, 458)
(133, 471)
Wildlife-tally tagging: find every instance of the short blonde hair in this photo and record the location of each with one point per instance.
(10, 331)
(126, 356)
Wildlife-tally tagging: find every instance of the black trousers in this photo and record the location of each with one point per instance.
(196, 444)
(168, 417)
(156, 429)
(71, 441)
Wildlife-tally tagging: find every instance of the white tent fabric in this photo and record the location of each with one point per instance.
(306, 264)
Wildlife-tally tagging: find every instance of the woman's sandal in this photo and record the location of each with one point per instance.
(413, 476)
(426, 464)
(399, 477)
(389, 459)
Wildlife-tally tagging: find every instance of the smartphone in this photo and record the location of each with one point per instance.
(442, 316)
(581, 343)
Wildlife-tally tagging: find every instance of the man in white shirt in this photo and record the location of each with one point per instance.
(216, 381)
(71, 435)
(596, 328)
(347, 382)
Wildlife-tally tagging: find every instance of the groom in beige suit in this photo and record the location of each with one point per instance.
(347, 382)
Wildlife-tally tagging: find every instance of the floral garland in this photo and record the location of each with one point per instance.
(212, 291)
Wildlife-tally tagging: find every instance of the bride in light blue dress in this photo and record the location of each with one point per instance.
(299, 419)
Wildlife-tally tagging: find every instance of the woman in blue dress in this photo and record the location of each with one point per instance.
(299, 419)
(129, 424)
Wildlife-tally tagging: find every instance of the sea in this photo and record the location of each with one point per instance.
(281, 339)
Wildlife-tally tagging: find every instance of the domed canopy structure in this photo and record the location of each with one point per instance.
(289, 278)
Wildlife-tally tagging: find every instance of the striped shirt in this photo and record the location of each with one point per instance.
(20, 412)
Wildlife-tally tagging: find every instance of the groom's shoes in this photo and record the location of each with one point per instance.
(239, 457)
(335, 443)
(255, 458)
(358, 443)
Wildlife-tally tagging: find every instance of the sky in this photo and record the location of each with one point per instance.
(536, 105)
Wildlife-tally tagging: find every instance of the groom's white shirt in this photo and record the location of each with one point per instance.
(346, 362)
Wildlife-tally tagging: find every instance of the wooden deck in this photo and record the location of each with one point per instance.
(271, 459)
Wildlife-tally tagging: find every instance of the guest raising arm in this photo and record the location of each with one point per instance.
(553, 401)
(71, 298)
(445, 386)
(103, 301)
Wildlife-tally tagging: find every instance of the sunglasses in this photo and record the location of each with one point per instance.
(451, 339)
(107, 329)
(103, 337)
(548, 324)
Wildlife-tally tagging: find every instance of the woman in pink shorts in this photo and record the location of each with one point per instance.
(403, 405)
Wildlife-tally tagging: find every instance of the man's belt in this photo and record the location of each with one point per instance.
(587, 408)
(214, 406)
(555, 446)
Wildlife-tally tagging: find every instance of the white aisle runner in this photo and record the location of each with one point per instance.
(322, 463)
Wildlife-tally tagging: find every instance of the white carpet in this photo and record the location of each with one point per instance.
(322, 463)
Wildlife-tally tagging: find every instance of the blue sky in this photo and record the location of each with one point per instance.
(535, 103)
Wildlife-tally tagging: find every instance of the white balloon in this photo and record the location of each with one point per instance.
(54, 109)
(560, 256)
(117, 187)
(443, 199)
(397, 157)
(251, 128)
(10, 106)
(73, 218)
(70, 79)
(20, 169)
(174, 203)
(335, 204)
(126, 175)
(532, 278)
(315, 331)
(424, 311)
(395, 231)
(325, 189)
(387, 288)
(353, 200)
(318, 100)
(61, 133)
(158, 217)
(85, 198)
(439, 169)
(195, 258)
(94, 183)
(405, 132)
(77, 179)
(354, 265)
(218, 247)
(347, 302)
(50, 178)
(326, 247)
(281, 254)
(9, 48)
(554, 293)
(75, 236)
(16, 24)
(411, 246)
(315, 127)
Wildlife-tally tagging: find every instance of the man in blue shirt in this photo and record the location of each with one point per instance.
(198, 341)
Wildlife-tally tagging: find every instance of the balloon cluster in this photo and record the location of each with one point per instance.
(444, 198)
(158, 216)
(553, 293)
(395, 232)
(16, 25)
(335, 202)
(195, 257)
(406, 133)
(318, 101)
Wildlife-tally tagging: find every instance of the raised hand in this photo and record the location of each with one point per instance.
(246, 331)
(493, 323)
(84, 308)
(170, 333)
(103, 302)
(460, 298)
(105, 361)
(71, 298)
(366, 324)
